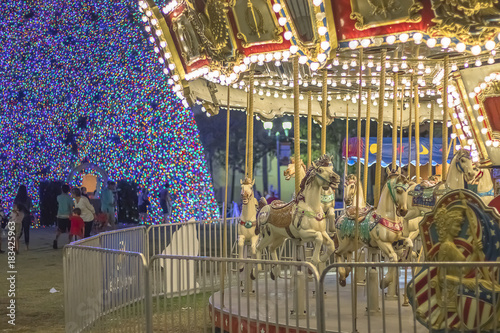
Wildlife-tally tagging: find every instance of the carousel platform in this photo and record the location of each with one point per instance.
(269, 313)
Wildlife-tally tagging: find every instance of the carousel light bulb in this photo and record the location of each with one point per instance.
(420, 65)
(261, 57)
(476, 107)
(445, 42)
(336, 62)
(454, 67)
(353, 63)
(321, 57)
(149, 13)
(276, 95)
(395, 68)
(488, 143)
(282, 21)
(484, 130)
(491, 60)
(417, 37)
(365, 42)
(476, 49)
(302, 59)
(325, 45)
(483, 86)
(478, 62)
(276, 7)
(370, 63)
(288, 35)
(353, 44)
(348, 83)
(317, 3)
(496, 143)
(390, 39)
(431, 42)
(294, 49)
(458, 126)
(253, 58)
(453, 135)
(314, 66)
(404, 37)
(490, 45)
(345, 66)
(466, 64)
(428, 70)
(480, 119)
(322, 30)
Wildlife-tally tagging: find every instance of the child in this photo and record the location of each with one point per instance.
(77, 224)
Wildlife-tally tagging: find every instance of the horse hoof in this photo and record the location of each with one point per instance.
(342, 282)
(384, 283)
(252, 275)
(241, 269)
(273, 277)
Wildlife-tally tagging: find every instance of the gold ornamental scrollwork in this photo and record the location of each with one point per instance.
(376, 13)
(472, 22)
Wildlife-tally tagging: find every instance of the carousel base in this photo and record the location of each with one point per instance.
(270, 314)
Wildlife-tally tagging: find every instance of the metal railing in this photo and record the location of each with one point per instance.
(139, 280)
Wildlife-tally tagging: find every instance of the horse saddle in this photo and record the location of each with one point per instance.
(426, 194)
(351, 212)
(281, 213)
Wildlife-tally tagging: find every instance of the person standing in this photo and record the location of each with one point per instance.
(24, 203)
(143, 204)
(166, 203)
(77, 225)
(84, 192)
(64, 208)
(108, 203)
(86, 209)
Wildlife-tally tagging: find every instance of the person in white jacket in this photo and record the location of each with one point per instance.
(88, 211)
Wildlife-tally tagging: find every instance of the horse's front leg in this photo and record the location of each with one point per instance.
(330, 220)
(255, 254)
(389, 252)
(317, 239)
(241, 246)
(330, 247)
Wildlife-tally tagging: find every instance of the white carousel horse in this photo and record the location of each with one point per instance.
(302, 218)
(247, 227)
(352, 186)
(483, 186)
(327, 196)
(378, 227)
(423, 199)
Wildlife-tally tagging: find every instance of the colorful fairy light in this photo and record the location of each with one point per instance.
(84, 84)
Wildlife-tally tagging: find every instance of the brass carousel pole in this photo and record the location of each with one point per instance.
(367, 143)
(246, 139)
(309, 129)
(346, 143)
(380, 127)
(394, 123)
(431, 140)
(323, 112)
(224, 248)
(296, 121)
(409, 130)
(445, 119)
(356, 225)
(401, 129)
(250, 127)
(417, 134)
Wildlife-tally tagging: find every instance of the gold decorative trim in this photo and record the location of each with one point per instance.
(187, 60)
(479, 27)
(483, 152)
(381, 7)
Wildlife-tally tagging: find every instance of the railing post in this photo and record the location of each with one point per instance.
(148, 298)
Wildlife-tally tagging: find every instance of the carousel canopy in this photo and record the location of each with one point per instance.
(210, 47)
(403, 150)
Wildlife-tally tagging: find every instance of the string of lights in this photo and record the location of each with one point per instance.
(82, 84)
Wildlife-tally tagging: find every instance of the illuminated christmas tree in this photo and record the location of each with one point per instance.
(82, 84)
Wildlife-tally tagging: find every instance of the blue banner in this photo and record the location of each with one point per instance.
(387, 152)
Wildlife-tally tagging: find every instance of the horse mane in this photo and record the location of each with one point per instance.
(352, 177)
(323, 161)
(247, 181)
(462, 153)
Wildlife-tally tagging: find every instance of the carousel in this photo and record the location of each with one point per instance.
(400, 63)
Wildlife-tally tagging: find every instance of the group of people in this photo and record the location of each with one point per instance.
(165, 203)
(76, 215)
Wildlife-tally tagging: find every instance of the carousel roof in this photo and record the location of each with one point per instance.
(207, 45)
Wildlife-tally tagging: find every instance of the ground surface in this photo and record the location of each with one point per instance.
(38, 270)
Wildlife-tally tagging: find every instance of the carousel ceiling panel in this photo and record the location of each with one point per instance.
(272, 107)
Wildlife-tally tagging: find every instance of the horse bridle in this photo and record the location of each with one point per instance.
(398, 185)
